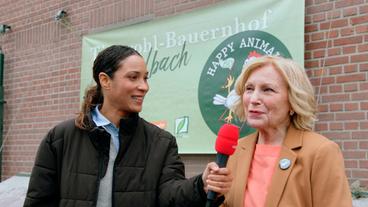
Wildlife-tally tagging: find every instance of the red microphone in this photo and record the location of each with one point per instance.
(227, 139)
(226, 142)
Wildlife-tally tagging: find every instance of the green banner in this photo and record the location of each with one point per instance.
(194, 59)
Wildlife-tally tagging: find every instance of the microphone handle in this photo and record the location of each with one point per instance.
(221, 160)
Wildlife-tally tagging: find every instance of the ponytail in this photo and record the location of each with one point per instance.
(93, 96)
(107, 61)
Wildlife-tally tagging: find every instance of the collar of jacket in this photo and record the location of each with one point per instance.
(100, 139)
(129, 124)
(293, 141)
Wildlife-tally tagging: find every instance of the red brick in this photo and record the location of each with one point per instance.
(316, 2)
(332, 33)
(336, 107)
(322, 90)
(307, 55)
(347, 31)
(360, 173)
(319, 89)
(336, 126)
(363, 105)
(325, 117)
(346, 116)
(351, 106)
(328, 80)
(323, 107)
(363, 182)
(349, 49)
(359, 58)
(319, 53)
(336, 60)
(363, 86)
(354, 154)
(360, 96)
(319, 8)
(316, 45)
(317, 36)
(335, 98)
(336, 135)
(363, 67)
(318, 72)
(350, 78)
(319, 17)
(363, 164)
(334, 51)
(363, 145)
(363, 48)
(335, 89)
(334, 24)
(334, 14)
(311, 28)
(351, 164)
(359, 20)
(351, 126)
(350, 68)
(361, 29)
(344, 3)
(321, 126)
(335, 70)
(311, 64)
(350, 11)
(306, 38)
(348, 41)
(363, 125)
(350, 145)
(350, 88)
(307, 20)
(360, 135)
(363, 9)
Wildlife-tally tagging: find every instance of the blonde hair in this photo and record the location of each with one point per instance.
(300, 90)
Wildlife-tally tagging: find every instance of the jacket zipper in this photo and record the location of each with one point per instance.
(113, 172)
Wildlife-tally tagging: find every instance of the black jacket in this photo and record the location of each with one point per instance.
(147, 172)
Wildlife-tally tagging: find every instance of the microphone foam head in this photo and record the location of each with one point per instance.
(227, 139)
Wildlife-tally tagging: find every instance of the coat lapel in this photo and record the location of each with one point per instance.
(246, 150)
(293, 140)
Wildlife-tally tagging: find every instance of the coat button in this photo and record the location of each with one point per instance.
(284, 164)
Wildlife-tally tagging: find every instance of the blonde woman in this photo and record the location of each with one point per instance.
(284, 163)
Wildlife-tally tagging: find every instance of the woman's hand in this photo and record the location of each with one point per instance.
(216, 179)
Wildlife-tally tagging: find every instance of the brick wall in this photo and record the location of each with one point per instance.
(42, 69)
(336, 59)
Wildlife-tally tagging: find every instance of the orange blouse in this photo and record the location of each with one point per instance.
(260, 174)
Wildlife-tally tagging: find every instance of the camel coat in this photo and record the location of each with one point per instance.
(315, 177)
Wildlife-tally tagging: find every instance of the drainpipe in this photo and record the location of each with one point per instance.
(2, 102)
